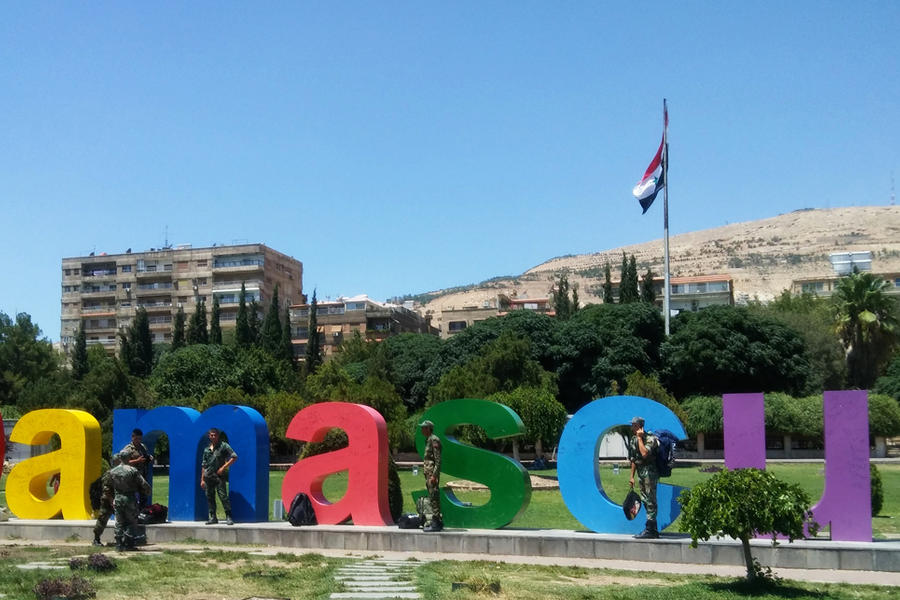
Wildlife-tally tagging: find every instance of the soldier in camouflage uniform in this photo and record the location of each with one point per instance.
(642, 449)
(217, 457)
(141, 460)
(126, 481)
(431, 467)
(107, 507)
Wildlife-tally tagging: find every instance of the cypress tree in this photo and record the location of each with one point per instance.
(633, 282)
(138, 345)
(608, 297)
(203, 329)
(79, 354)
(287, 345)
(215, 329)
(178, 329)
(253, 322)
(270, 338)
(313, 351)
(628, 286)
(648, 293)
(196, 332)
(242, 327)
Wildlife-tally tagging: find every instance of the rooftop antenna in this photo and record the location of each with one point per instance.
(166, 242)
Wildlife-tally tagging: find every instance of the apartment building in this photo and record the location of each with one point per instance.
(457, 318)
(338, 319)
(105, 290)
(843, 263)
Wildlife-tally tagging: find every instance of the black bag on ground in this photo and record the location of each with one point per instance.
(632, 505)
(153, 514)
(410, 521)
(136, 535)
(301, 511)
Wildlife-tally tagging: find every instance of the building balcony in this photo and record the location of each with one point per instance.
(107, 293)
(237, 266)
(155, 306)
(85, 310)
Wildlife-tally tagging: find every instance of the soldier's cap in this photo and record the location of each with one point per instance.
(426, 423)
(637, 420)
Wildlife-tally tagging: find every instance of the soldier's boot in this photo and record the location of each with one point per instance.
(96, 541)
(228, 519)
(212, 519)
(119, 545)
(436, 525)
(650, 531)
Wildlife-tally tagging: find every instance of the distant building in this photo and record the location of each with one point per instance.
(456, 319)
(843, 263)
(105, 290)
(691, 293)
(338, 319)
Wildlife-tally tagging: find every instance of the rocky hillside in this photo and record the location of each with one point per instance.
(762, 257)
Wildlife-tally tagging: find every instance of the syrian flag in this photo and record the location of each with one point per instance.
(654, 179)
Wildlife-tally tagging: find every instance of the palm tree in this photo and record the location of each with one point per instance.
(867, 322)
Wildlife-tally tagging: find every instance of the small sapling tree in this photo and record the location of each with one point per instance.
(742, 504)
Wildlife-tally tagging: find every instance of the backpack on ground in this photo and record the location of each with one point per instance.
(666, 453)
(301, 511)
(410, 521)
(153, 514)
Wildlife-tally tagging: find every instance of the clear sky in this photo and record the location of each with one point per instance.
(402, 147)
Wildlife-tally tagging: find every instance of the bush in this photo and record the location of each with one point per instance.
(786, 414)
(884, 415)
(395, 491)
(95, 562)
(704, 414)
(744, 503)
(75, 588)
(877, 489)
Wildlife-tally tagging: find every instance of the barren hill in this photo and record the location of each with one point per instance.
(763, 257)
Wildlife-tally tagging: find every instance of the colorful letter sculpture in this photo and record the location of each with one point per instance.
(579, 470)
(77, 461)
(365, 459)
(845, 504)
(187, 431)
(2, 441)
(508, 481)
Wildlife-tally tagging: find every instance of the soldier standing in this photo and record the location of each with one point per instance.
(431, 467)
(142, 461)
(642, 449)
(217, 457)
(126, 481)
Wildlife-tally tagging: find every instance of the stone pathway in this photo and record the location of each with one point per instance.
(378, 578)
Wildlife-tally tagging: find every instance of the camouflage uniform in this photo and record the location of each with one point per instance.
(126, 481)
(107, 507)
(432, 466)
(647, 472)
(145, 468)
(213, 459)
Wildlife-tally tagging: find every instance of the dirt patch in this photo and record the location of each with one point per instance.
(537, 483)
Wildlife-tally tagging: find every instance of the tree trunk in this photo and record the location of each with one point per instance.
(538, 448)
(748, 559)
(515, 449)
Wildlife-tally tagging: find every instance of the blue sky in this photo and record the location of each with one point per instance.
(402, 147)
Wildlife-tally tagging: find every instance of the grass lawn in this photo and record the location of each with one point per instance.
(232, 575)
(548, 511)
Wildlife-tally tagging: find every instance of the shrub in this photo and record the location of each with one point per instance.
(95, 562)
(74, 588)
(877, 489)
(743, 503)
(704, 414)
(884, 415)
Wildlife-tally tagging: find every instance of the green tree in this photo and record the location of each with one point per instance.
(638, 384)
(24, 356)
(411, 354)
(286, 345)
(732, 349)
(563, 306)
(270, 337)
(242, 325)
(313, 350)
(196, 331)
(608, 297)
(742, 504)
(648, 292)
(889, 383)
(137, 351)
(79, 354)
(178, 329)
(215, 326)
(541, 413)
(253, 322)
(867, 323)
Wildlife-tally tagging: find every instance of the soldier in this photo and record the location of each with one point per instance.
(217, 457)
(142, 461)
(107, 507)
(642, 449)
(126, 481)
(431, 467)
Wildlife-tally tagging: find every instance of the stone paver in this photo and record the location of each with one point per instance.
(377, 579)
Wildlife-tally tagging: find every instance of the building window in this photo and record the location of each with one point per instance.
(201, 281)
(126, 286)
(182, 265)
(454, 326)
(126, 268)
(76, 271)
(201, 264)
(812, 288)
(68, 272)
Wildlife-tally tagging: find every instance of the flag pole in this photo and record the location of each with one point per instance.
(667, 287)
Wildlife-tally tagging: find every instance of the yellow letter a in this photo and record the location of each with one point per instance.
(77, 461)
